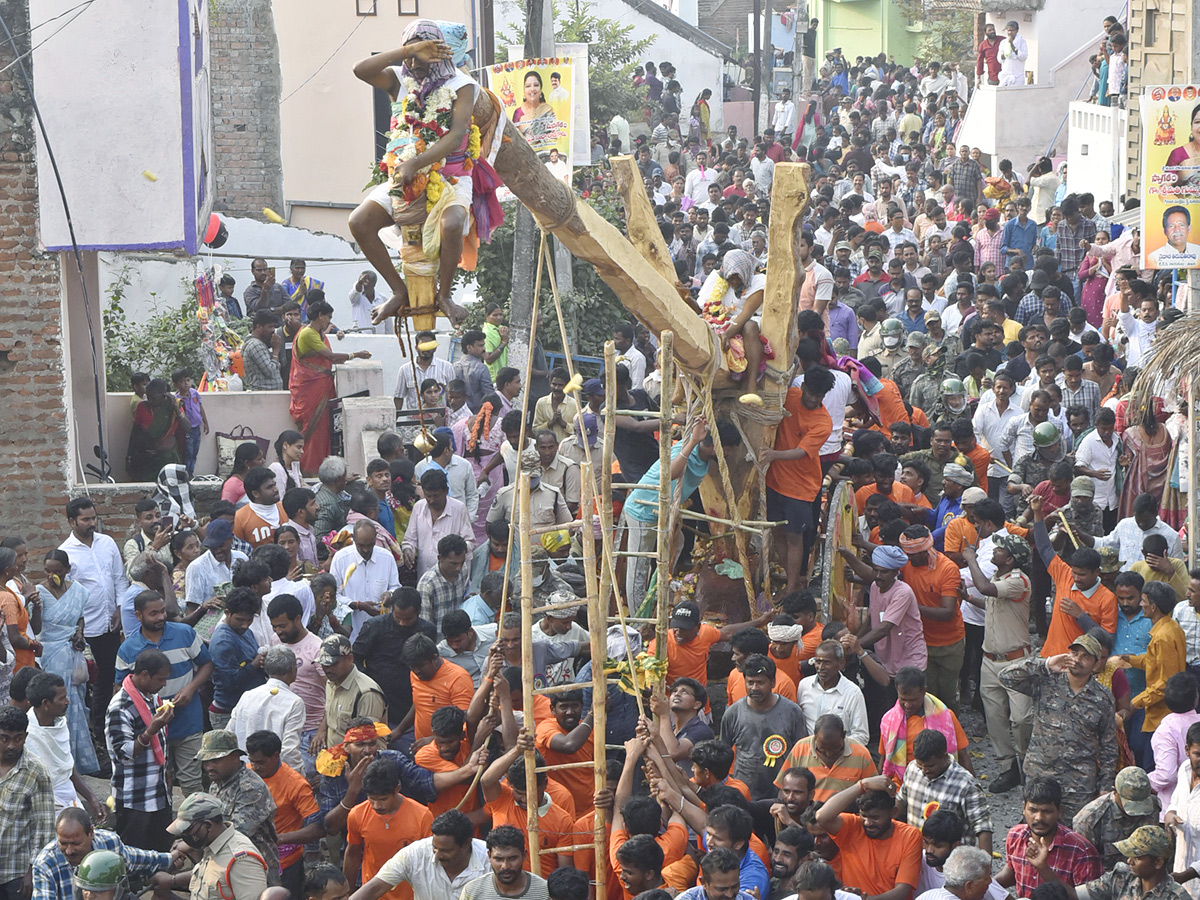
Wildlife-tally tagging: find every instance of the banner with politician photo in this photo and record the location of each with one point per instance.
(1171, 177)
(536, 94)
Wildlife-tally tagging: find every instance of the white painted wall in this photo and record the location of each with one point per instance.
(1096, 158)
(109, 87)
(156, 279)
(696, 68)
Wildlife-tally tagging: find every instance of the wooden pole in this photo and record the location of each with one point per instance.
(532, 800)
(606, 458)
(667, 523)
(597, 616)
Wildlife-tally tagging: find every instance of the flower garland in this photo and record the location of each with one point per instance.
(714, 309)
(413, 130)
(480, 429)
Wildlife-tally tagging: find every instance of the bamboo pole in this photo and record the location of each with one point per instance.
(532, 800)
(606, 458)
(597, 615)
(666, 530)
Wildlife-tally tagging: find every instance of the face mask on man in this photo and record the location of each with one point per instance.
(891, 341)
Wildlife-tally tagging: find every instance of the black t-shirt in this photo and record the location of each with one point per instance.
(377, 654)
(636, 451)
(991, 359)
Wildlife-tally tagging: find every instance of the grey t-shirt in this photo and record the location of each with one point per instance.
(484, 888)
(756, 735)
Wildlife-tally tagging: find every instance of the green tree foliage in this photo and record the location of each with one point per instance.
(168, 340)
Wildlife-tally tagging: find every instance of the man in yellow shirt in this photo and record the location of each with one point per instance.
(1165, 656)
(1157, 566)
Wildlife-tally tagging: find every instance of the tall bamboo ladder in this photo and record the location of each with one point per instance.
(598, 585)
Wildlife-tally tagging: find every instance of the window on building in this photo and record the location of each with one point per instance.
(1151, 36)
(410, 7)
(367, 7)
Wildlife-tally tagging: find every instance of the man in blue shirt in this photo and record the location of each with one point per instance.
(730, 828)
(191, 667)
(689, 464)
(1020, 235)
(1133, 628)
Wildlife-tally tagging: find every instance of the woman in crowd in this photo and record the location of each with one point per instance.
(311, 383)
(1093, 282)
(159, 433)
(289, 447)
(288, 538)
(61, 636)
(1148, 445)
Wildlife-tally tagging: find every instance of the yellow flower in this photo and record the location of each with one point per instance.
(474, 142)
(433, 190)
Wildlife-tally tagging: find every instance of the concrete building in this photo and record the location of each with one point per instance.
(1025, 122)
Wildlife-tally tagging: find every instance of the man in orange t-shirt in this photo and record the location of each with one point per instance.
(878, 856)
(436, 682)
(381, 826)
(711, 761)
(448, 752)
(689, 640)
(935, 581)
(795, 633)
(794, 473)
(963, 432)
(565, 739)
(746, 643)
(297, 818)
(1080, 600)
(255, 523)
(506, 804)
(884, 466)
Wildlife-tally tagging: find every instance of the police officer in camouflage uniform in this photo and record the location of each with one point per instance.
(951, 404)
(891, 332)
(1033, 468)
(1113, 817)
(230, 866)
(927, 387)
(1074, 738)
(913, 365)
(244, 797)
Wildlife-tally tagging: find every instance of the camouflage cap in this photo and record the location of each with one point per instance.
(1110, 560)
(217, 744)
(199, 807)
(1090, 645)
(1133, 787)
(1148, 840)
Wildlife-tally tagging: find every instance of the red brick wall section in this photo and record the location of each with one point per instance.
(33, 422)
(247, 170)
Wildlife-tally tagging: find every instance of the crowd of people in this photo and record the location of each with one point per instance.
(315, 689)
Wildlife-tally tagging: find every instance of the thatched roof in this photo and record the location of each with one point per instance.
(1174, 357)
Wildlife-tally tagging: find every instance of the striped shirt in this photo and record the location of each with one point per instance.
(186, 653)
(955, 790)
(138, 781)
(1190, 623)
(854, 765)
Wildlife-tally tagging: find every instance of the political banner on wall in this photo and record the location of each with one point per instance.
(537, 98)
(1171, 177)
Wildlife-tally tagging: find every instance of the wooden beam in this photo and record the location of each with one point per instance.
(641, 225)
(638, 283)
(781, 299)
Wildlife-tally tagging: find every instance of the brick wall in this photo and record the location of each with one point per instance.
(33, 421)
(247, 169)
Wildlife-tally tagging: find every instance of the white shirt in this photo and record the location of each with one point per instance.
(51, 745)
(1012, 55)
(363, 580)
(633, 360)
(1093, 453)
(933, 84)
(835, 402)
(1141, 335)
(101, 571)
(461, 478)
(764, 174)
(205, 573)
(1127, 538)
(298, 589)
(271, 707)
(972, 614)
(415, 864)
(360, 310)
(844, 700)
(785, 117)
(697, 182)
(1185, 803)
(408, 384)
(474, 661)
(989, 425)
